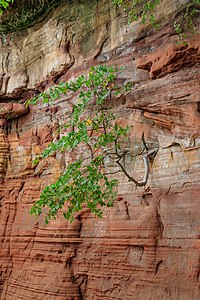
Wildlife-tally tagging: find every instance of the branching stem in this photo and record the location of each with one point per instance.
(146, 166)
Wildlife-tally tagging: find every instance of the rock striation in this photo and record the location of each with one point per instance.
(147, 247)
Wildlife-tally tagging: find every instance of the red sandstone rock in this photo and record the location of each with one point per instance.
(12, 110)
(170, 57)
(147, 246)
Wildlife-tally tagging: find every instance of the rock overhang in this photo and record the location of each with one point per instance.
(12, 110)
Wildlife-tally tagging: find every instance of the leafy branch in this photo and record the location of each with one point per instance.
(4, 4)
(184, 22)
(146, 13)
(92, 134)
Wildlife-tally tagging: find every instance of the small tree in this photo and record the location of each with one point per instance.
(93, 128)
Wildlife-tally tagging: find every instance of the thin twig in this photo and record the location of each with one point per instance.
(91, 151)
(111, 173)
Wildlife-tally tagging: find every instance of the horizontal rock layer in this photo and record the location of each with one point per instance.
(147, 246)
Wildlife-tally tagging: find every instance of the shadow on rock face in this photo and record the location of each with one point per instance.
(8, 111)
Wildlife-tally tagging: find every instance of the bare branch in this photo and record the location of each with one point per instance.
(144, 143)
(146, 166)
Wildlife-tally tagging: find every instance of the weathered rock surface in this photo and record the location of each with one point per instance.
(8, 111)
(147, 246)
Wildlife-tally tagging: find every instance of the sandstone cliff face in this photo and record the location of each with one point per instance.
(147, 246)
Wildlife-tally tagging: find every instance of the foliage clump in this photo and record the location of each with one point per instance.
(94, 129)
(4, 4)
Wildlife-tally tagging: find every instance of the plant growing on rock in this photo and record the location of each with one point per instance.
(147, 10)
(184, 20)
(92, 136)
(4, 4)
(187, 20)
